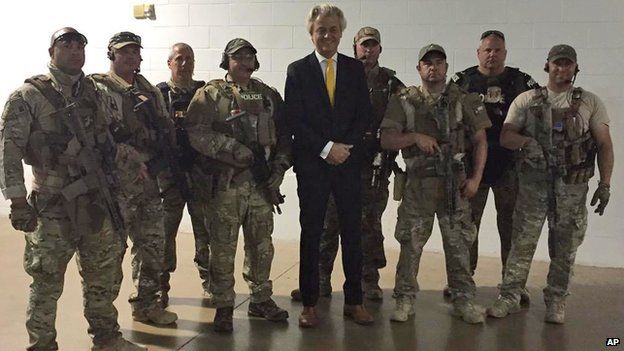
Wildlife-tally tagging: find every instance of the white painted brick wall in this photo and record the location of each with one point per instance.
(532, 11)
(271, 37)
(277, 29)
(214, 15)
(251, 14)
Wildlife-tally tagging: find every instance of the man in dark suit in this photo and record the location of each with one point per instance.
(328, 108)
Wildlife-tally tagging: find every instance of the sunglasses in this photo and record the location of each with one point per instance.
(493, 32)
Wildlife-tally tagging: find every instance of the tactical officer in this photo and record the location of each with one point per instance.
(497, 85)
(557, 132)
(440, 130)
(140, 120)
(178, 92)
(55, 124)
(382, 83)
(235, 124)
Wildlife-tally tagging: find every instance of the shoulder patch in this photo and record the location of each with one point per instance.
(15, 107)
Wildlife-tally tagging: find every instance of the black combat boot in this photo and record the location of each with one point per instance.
(223, 320)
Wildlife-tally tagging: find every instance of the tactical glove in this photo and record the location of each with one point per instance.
(601, 194)
(278, 169)
(275, 180)
(23, 217)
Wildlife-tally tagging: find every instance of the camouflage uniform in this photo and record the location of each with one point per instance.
(177, 100)
(496, 93)
(236, 198)
(140, 200)
(68, 220)
(555, 188)
(424, 195)
(381, 84)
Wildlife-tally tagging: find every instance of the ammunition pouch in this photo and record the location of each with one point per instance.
(400, 181)
(266, 130)
(580, 159)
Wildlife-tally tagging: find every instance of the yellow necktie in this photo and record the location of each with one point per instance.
(330, 80)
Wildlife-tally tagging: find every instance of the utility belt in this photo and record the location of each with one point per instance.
(51, 184)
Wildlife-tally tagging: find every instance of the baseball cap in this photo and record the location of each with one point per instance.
(562, 51)
(236, 44)
(366, 33)
(430, 48)
(122, 39)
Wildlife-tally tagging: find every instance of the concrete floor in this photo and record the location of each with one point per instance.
(595, 311)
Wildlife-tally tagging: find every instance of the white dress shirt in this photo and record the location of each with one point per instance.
(323, 62)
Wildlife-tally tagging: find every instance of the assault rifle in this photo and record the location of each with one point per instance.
(168, 155)
(242, 127)
(98, 163)
(450, 164)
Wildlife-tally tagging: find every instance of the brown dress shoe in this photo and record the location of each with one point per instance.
(359, 314)
(308, 318)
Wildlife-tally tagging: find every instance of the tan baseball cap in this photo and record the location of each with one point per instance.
(367, 33)
(430, 48)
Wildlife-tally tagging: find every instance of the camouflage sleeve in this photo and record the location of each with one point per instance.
(283, 148)
(14, 133)
(202, 112)
(474, 113)
(395, 117)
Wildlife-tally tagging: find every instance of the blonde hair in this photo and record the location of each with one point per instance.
(325, 10)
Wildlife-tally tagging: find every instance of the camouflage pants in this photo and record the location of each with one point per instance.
(374, 203)
(173, 206)
(504, 191)
(240, 205)
(143, 217)
(48, 251)
(567, 225)
(423, 199)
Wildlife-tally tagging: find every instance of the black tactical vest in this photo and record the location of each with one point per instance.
(177, 102)
(496, 93)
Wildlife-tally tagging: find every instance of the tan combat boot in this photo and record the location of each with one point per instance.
(503, 306)
(403, 310)
(555, 312)
(155, 314)
(120, 344)
(467, 311)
